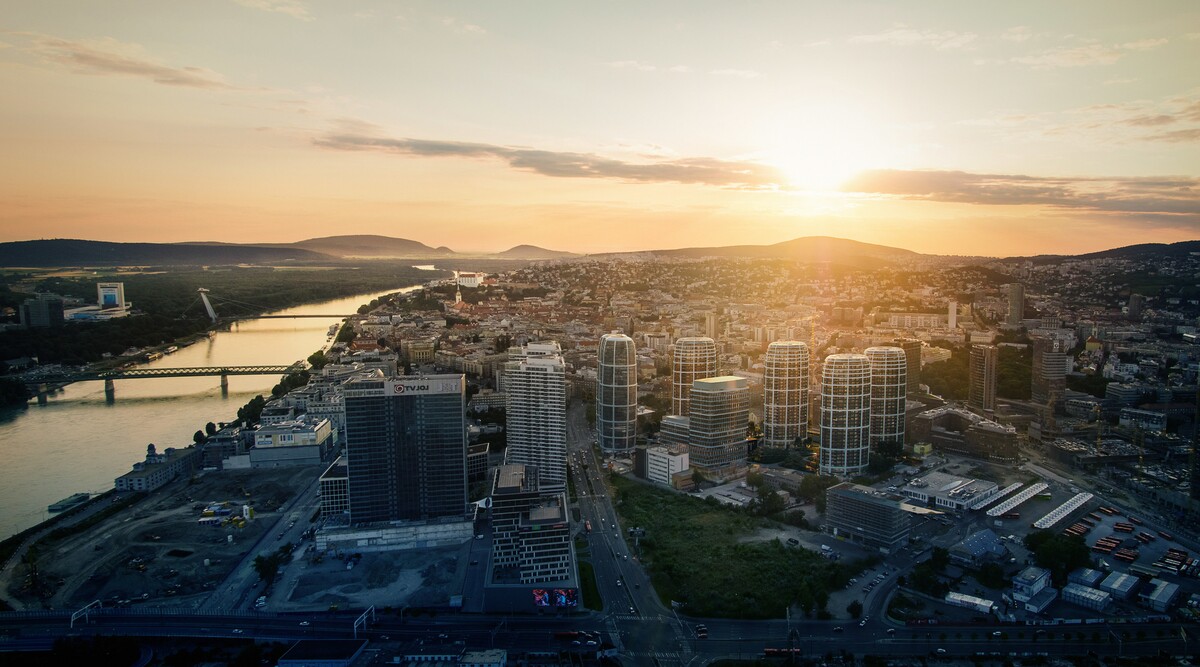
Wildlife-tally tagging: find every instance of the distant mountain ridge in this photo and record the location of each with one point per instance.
(79, 252)
(805, 248)
(526, 251)
(370, 245)
(816, 249)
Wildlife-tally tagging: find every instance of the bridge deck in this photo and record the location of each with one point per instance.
(136, 373)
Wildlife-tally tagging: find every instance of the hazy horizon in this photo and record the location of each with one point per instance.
(941, 127)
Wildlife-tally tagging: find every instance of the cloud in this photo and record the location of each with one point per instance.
(1086, 54)
(902, 35)
(463, 28)
(110, 57)
(1174, 197)
(700, 171)
(1176, 136)
(739, 73)
(1019, 33)
(632, 64)
(292, 8)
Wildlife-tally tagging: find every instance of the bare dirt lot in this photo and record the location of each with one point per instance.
(154, 552)
(415, 578)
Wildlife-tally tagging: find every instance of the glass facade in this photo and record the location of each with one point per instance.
(785, 393)
(406, 448)
(616, 393)
(889, 384)
(694, 358)
(845, 414)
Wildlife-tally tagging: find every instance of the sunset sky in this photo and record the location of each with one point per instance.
(987, 128)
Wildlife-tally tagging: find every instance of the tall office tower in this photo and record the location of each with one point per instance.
(1016, 303)
(985, 362)
(717, 420)
(616, 394)
(889, 384)
(845, 414)
(406, 448)
(1137, 302)
(1194, 454)
(1048, 381)
(537, 413)
(785, 393)
(44, 310)
(912, 361)
(694, 358)
(952, 315)
(710, 324)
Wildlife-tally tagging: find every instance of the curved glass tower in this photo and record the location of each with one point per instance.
(845, 414)
(616, 394)
(889, 382)
(695, 359)
(785, 393)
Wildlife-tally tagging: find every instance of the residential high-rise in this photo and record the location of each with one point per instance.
(537, 413)
(531, 536)
(694, 358)
(985, 362)
(845, 415)
(710, 324)
(1016, 303)
(406, 448)
(912, 361)
(616, 394)
(785, 393)
(952, 315)
(717, 420)
(889, 383)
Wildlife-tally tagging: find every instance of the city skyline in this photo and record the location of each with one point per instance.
(937, 128)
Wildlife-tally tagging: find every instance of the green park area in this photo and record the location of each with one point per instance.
(697, 555)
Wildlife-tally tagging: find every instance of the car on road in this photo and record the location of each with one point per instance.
(474, 562)
(941, 651)
(304, 624)
(996, 633)
(891, 631)
(838, 629)
(237, 631)
(863, 622)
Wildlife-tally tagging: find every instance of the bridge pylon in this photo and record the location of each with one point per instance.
(207, 304)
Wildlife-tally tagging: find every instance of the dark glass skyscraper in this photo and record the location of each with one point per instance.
(406, 448)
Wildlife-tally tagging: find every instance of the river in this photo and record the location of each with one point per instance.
(79, 442)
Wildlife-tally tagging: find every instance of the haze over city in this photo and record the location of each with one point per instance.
(939, 127)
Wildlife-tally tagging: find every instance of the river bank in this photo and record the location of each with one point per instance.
(79, 442)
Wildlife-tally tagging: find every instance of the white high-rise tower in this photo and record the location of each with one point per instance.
(537, 413)
(889, 381)
(616, 394)
(695, 359)
(785, 393)
(845, 415)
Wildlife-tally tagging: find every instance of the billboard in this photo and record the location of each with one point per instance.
(566, 597)
(541, 597)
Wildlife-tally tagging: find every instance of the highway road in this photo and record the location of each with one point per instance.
(728, 637)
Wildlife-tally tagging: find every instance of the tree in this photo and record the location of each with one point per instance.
(854, 609)
(198, 437)
(266, 567)
(1058, 553)
(318, 360)
(210, 429)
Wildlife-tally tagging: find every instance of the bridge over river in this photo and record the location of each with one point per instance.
(43, 382)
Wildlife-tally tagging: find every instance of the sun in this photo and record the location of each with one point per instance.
(820, 148)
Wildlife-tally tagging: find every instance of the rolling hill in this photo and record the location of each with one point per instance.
(78, 252)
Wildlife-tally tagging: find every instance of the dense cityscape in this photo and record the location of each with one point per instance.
(673, 334)
(617, 459)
